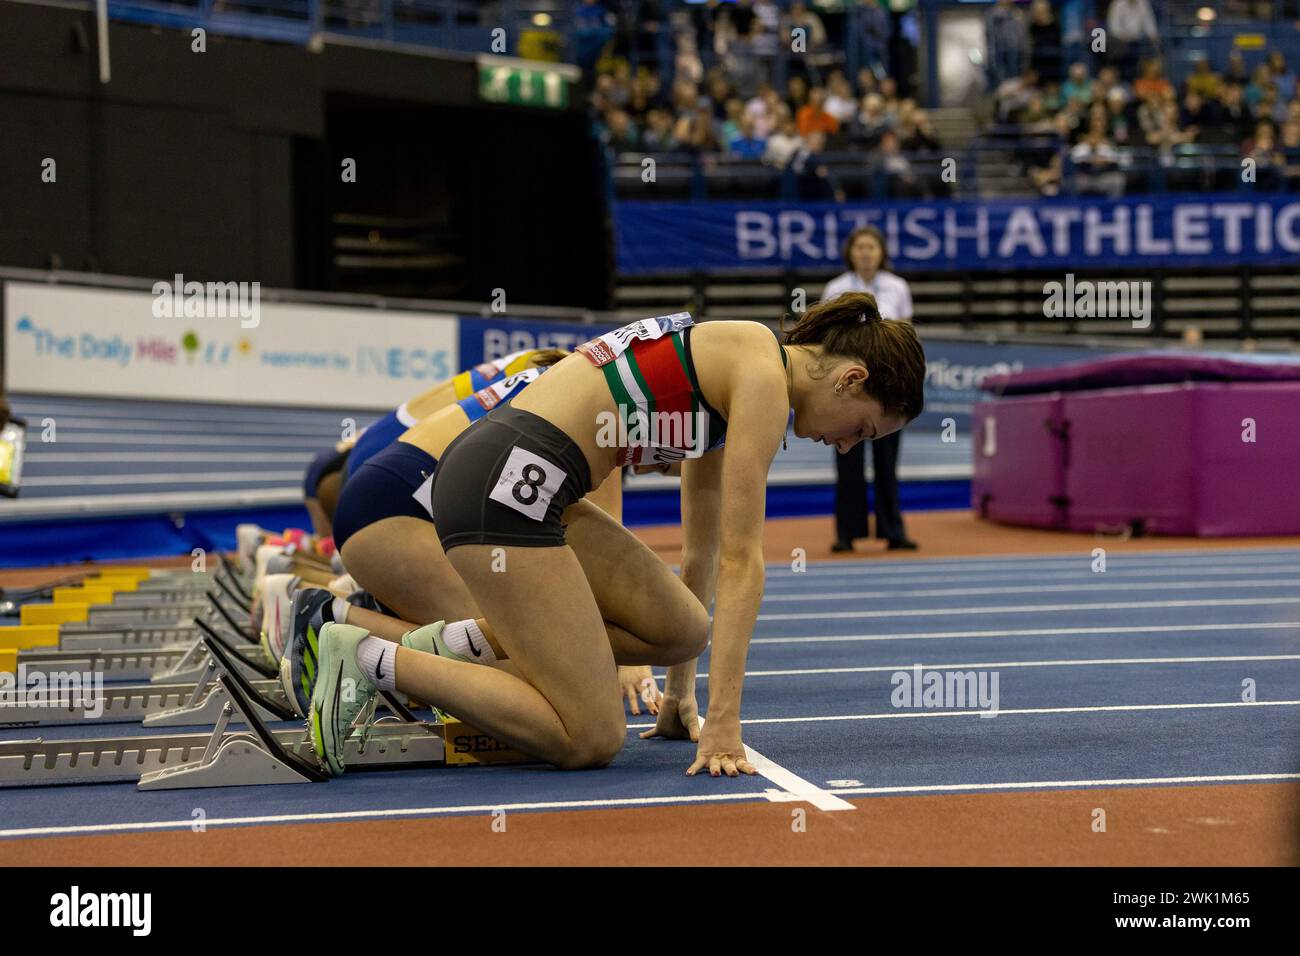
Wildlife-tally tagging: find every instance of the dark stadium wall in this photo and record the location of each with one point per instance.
(225, 164)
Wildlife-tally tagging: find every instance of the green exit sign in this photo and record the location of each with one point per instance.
(525, 82)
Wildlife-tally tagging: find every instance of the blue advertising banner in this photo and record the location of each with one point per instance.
(1148, 231)
(482, 340)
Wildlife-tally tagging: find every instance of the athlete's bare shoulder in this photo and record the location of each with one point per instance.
(752, 342)
(730, 354)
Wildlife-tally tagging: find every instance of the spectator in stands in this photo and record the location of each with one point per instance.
(840, 101)
(1283, 78)
(746, 143)
(1204, 81)
(1014, 94)
(620, 132)
(921, 136)
(867, 82)
(1096, 161)
(1129, 25)
(800, 17)
(1108, 80)
(888, 89)
(1078, 85)
(1236, 70)
(1234, 122)
(658, 136)
(1164, 131)
(763, 110)
(873, 30)
(1260, 81)
(813, 117)
(696, 130)
(1120, 122)
(1196, 114)
(785, 142)
(730, 127)
(868, 271)
(1005, 38)
(815, 180)
(893, 170)
(719, 92)
(796, 93)
(1269, 160)
(872, 121)
(1045, 41)
(1152, 81)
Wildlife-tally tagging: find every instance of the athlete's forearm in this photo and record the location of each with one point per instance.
(740, 591)
(700, 575)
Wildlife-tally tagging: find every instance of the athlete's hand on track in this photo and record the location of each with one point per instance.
(678, 720)
(640, 682)
(721, 750)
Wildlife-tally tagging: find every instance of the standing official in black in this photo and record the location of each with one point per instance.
(868, 265)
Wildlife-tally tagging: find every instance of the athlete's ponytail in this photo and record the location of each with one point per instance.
(850, 326)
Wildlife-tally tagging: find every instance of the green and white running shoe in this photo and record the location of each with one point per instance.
(341, 693)
(428, 640)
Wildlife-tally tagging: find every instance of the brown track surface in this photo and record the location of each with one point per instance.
(1239, 825)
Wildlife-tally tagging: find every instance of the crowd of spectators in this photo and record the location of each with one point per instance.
(737, 106)
(1105, 109)
(1081, 113)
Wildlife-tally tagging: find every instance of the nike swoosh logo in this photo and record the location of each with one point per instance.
(379, 668)
(469, 640)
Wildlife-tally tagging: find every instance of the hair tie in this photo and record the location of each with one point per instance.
(862, 319)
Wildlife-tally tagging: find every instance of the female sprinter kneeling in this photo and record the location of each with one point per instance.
(502, 489)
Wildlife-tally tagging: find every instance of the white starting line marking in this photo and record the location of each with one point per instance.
(1031, 632)
(792, 786)
(890, 668)
(1027, 609)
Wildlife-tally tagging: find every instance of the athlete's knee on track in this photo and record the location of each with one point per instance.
(595, 745)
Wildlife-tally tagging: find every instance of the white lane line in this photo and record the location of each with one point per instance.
(214, 477)
(89, 457)
(793, 786)
(811, 594)
(1030, 632)
(1209, 573)
(1028, 609)
(1050, 784)
(1083, 557)
(1008, 664)
(1108, 708)
(372, 814)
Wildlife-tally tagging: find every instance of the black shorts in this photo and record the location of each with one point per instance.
(384, 487)
(506, 480)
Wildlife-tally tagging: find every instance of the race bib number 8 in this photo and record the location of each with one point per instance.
(527, 483)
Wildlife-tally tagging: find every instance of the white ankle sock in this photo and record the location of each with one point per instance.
(465, 639)
(377, 659)
(340, 609)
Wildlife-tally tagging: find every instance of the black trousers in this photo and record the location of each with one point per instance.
(851, 490)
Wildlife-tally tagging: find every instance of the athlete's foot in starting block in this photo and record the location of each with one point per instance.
(310, 611)
(342, 691)
(277, 601)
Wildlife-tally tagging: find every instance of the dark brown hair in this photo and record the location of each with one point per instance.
(866, 231)
(545, 358)
(850, 326)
